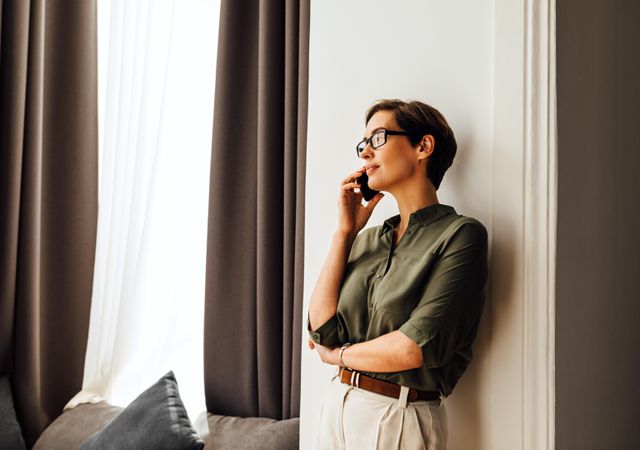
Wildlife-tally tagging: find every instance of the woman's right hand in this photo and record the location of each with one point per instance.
(353, 215)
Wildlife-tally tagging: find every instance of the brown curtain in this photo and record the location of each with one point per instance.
(48, 200)
(255, 255)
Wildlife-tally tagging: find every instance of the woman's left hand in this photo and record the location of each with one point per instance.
(328, 355)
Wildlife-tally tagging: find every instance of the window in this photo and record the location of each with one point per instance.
(156, 88)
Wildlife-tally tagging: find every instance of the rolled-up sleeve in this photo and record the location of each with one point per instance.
(326, 334)
(447, 315)
(333, 331)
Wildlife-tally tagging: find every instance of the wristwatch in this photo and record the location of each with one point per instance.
(341, 352)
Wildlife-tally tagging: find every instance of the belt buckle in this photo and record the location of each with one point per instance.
(355, 376)
(355, 379)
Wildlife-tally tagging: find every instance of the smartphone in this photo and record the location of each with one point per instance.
(367, 192)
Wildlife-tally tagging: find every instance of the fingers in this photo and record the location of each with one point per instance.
(349, 186)
(352, 176)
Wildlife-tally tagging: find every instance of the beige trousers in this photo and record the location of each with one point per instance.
(352, 418)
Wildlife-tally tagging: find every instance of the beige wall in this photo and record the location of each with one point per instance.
(598, 235)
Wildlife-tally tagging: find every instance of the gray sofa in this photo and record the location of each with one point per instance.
(75, 425)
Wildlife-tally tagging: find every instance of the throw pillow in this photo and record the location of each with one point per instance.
(250, 433)
(155, 420)
(10, 433)
(75, 425)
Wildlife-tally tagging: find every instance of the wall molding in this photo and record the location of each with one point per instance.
(539, 238)
(523, 221)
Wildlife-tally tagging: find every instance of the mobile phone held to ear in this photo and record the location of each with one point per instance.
(367, 192)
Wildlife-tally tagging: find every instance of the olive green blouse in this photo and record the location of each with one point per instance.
(431, 287)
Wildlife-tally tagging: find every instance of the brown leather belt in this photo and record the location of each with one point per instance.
(388, 388)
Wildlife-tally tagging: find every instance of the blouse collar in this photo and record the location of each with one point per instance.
(423, 216)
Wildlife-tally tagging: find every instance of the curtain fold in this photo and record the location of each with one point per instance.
(253, 299)
(48, 200)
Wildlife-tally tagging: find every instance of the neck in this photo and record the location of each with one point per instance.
(413, 202)
(413, 193)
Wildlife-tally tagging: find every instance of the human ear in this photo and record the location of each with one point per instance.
(426, 143)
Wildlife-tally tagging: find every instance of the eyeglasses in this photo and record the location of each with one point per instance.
(377, 139)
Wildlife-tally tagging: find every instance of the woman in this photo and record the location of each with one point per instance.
(396, 307)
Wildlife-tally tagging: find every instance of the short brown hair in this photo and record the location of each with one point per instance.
(419, 119)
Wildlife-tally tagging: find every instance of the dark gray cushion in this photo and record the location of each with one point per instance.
(10, 433)
(244, 433)
(75, 425)
(155, 420)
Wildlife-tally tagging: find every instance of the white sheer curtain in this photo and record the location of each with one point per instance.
(157, 75)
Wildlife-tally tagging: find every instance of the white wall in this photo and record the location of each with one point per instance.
(441, 53)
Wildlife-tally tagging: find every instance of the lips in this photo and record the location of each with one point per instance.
(371, 168)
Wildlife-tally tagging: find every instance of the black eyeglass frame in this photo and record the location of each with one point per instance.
(385, 134)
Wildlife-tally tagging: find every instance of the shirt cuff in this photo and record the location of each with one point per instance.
(438, 353)
(326, 334)
(419, 336)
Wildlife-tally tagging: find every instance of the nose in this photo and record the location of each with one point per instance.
(367, 152)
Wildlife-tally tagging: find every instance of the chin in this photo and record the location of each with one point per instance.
(376, 185)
